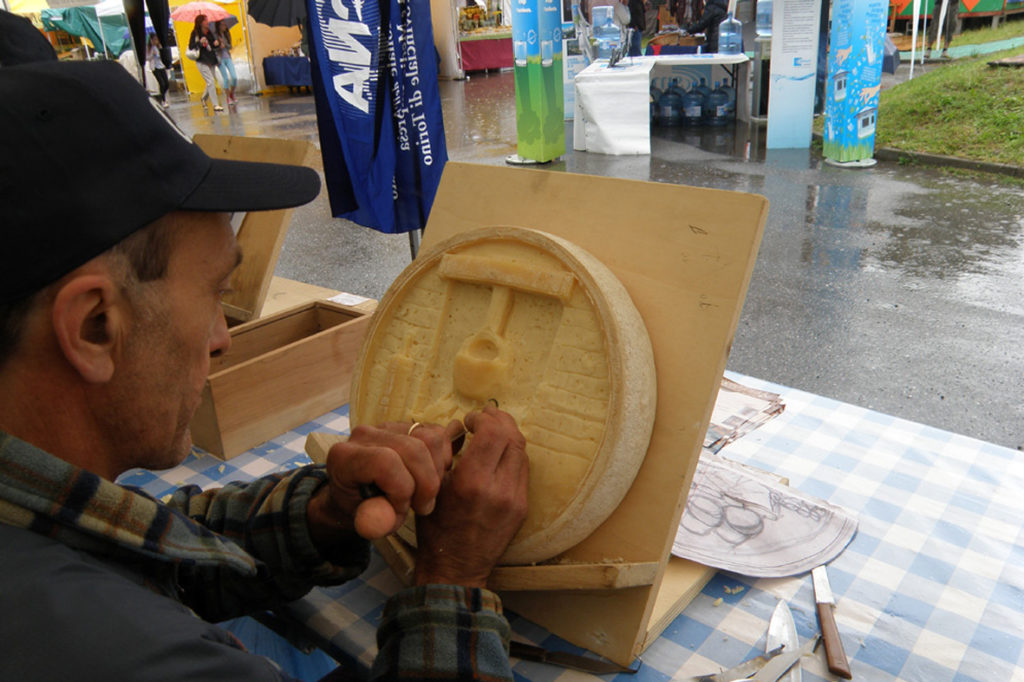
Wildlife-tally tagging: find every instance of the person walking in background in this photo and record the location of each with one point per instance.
(685, 11)
(637, 22)
(228, 77)
(156, 65)
(206, 42)
(949, 27)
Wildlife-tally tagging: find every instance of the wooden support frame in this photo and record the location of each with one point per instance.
(262, 233)
(685, 255)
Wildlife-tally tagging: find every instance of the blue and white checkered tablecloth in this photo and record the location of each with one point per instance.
(930, 589)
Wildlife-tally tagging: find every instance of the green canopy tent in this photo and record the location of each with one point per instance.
(106, 29)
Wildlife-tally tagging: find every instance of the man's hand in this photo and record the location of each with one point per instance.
(407, 465)
(481, 506)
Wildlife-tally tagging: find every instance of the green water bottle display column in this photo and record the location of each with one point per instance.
(540, 108)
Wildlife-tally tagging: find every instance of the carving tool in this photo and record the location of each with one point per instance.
(782, 632)
(774, 669)
(834, 653)
(596, 666)
(743, 671)
(768, 667)
(368, 490)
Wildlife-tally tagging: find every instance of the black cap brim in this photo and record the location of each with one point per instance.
(243, 186)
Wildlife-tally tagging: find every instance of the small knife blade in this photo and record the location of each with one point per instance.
(737, 673)
(834, 653)
(777, 667)
(596, 666)
(782, 632)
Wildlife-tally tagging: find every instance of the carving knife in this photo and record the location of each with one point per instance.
(368, 490)
(836, 657)
(737, 673)
(782, 632)
(585, 664)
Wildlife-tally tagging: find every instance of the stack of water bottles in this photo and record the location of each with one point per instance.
(698, 106)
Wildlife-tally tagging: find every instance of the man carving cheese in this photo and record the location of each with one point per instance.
(110, 280)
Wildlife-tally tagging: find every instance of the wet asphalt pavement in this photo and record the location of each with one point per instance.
(896, 288)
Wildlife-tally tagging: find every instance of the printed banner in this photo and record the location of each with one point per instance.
(537, 50)
(794, 66)
(378, 110)
(855, 53)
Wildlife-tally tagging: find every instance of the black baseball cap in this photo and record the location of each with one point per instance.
(87, 157)
(21, 42)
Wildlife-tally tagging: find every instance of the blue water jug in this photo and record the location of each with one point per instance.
(655, 96)
(730, 36)
(764, 18)
(606, 33)
(730, 94)
(716, 106)
(670, 108)
(693, 107)
(702, 89)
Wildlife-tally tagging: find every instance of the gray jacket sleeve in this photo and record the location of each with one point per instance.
(70, 616)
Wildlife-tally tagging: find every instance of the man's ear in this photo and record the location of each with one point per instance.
(88, 321)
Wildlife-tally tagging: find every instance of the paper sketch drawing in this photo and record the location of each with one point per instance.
(743, 520)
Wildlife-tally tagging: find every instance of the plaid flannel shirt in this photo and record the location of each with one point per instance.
(244, 547)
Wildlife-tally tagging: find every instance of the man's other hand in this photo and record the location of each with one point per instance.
(481, 506)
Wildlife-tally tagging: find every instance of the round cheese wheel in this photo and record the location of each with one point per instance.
(542, 327)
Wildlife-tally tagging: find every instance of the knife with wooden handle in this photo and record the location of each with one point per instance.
(834, 653)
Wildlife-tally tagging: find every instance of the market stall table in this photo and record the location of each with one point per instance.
(612, 113)
(930, 588)
(486, 51)
(291, 71)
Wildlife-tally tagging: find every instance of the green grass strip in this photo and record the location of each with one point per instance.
(1011, 28)
(965, 109)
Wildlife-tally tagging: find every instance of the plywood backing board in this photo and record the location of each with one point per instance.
(685, 255)
(262, 233)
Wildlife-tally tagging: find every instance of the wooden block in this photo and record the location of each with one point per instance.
(547, 577)
(319, 443)
(280, 372)
(683, 580)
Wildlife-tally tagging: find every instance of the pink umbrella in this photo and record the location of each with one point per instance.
(190, 10)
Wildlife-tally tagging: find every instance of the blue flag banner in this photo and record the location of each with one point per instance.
(378, 110)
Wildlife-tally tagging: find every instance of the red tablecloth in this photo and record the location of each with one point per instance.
(490, 53)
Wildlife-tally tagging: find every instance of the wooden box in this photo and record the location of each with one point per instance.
(280, 372)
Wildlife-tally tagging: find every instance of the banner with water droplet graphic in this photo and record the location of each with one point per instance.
(856, 49)
(537, 50)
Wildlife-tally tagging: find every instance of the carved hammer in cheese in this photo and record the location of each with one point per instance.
(540, 325)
